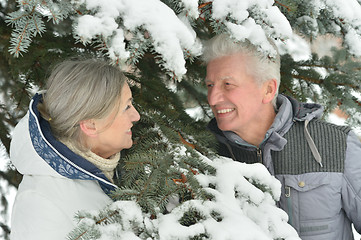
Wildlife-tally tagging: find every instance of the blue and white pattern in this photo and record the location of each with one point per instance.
(59, 156)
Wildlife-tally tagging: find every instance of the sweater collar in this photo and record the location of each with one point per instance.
(106, 165)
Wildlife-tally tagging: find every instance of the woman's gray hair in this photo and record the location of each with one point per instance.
(259, 65)
(80, 90)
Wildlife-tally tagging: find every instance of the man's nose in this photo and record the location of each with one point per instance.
(215, 95)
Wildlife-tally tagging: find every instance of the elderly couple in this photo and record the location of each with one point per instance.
(69, 143)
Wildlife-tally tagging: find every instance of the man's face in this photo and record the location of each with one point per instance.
(233, 95)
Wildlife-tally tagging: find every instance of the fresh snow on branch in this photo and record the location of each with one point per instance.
(347, 16)
(171, 37)
(243, 207)
(252, 20)
(126, 29)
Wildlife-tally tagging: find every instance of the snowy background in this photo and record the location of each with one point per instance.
(10, 191)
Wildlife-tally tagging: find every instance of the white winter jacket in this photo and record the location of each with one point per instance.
(56, 183)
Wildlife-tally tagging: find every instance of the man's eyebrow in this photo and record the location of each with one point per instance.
(226, 78)
(222, 78)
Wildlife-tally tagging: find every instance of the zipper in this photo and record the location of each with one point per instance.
(259, 155)
(289, 204)
(287, 192)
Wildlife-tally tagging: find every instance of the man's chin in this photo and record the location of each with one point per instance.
(223, 127)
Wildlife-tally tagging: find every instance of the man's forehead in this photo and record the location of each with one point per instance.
(221, 78)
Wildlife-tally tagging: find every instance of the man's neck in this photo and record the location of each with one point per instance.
(256, 134)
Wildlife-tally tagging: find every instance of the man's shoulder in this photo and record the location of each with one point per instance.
(329, 139)
(321, 125)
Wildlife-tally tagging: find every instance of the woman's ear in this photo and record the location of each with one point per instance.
(88, 127)
(270, 90)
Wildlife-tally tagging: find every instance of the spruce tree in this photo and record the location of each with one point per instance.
(166, 74)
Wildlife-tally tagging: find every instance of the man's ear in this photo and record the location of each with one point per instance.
(270, 90)
(88, 127)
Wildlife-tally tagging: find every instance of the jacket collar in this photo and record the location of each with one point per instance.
(59, 156)
(305, 111)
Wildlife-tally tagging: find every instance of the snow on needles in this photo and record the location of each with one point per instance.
(247, 14)
(191, 7)
(243, 208)
(174, 39)
(170, 35)
(347, 13)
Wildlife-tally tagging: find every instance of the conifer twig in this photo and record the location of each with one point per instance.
(321, 81)
(97, 223)
(283, 5)
(185, 142)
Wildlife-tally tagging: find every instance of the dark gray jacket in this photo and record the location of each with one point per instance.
(318, 164)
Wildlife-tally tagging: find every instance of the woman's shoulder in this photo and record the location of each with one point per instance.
(64, 192)
(44, 203)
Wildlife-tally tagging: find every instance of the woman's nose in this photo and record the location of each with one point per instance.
(135, 116)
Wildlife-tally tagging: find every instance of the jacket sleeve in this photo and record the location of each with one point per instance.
(34, 217)
(351, 186)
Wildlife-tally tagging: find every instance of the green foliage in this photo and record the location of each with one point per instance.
(321, 79)
(191, 217)
(28, 21)
(91, 229)
(162, 162)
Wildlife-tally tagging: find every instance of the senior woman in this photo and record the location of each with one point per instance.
(67, 147)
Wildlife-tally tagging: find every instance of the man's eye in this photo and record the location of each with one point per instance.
(210, 85)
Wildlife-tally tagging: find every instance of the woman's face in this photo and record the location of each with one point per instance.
(114, 131)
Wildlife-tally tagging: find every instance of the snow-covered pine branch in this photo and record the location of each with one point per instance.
(236, 209)
(126, 29)
(116, 20)
(341, 18)
(252, 20)
(179, 193)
